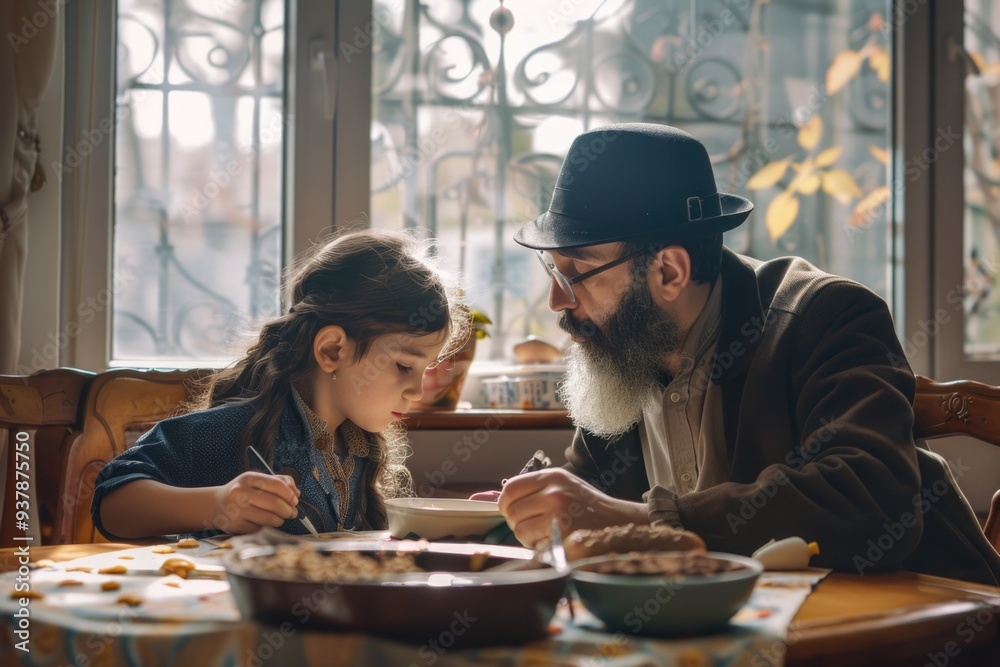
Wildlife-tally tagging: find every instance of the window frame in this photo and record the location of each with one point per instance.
(85, 260)
(926, 261)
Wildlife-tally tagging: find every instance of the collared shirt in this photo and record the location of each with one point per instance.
(683, 443)
(342, 493)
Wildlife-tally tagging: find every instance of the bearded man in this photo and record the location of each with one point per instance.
(742, 400)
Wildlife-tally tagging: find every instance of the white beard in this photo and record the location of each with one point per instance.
(600, 397)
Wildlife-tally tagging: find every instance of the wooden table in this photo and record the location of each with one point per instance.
(883, 619)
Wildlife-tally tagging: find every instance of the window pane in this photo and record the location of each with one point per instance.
(198, 165)
(981, 180)
(792, 100)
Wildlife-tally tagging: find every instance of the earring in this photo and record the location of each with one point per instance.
(333, 375)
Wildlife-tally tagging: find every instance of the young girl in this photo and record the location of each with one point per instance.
(317, 395)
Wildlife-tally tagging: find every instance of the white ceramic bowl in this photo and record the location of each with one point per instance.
(435, 518)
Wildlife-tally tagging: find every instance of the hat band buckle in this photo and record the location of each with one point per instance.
(694, 209)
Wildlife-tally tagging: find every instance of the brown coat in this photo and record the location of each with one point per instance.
(818, 417)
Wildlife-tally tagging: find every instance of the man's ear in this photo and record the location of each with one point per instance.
(670, 273)
(330, 348)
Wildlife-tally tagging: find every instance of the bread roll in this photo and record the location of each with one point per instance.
(630, 537)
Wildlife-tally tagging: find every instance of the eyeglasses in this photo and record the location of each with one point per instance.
(566, 284)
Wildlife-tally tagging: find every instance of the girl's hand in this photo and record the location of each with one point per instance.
(254, 500)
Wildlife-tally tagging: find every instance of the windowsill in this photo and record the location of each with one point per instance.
(164, 364)
(488, 419)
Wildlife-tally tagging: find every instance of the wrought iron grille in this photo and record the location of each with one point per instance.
(200, 129)
(472, 115)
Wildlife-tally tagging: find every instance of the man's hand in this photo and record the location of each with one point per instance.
(530, 501)
(254, 500)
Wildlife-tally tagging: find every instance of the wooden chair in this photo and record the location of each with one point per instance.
(45, 406)
(121, 405)
(962, 407)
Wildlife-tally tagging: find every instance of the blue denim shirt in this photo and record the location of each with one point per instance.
(202, 449)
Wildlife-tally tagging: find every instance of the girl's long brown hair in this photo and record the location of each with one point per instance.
(371, 284)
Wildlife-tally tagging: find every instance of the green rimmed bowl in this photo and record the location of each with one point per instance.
(657, 605)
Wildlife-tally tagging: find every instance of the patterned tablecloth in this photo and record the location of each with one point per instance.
(194, 622)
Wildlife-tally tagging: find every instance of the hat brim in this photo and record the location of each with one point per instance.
(551, 231)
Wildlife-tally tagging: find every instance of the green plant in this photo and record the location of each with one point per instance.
(479, 322)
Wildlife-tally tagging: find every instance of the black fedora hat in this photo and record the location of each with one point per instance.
(634, 182)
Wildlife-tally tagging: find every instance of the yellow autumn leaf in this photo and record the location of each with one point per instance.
(843, 68)
(781, 214)
(768, 175)
(878, 58)
(810, 184)
(829, 156)
(978, 59)
(868, 206)
(804, 172)
(811, 133)
(880, 154)
(840, 185)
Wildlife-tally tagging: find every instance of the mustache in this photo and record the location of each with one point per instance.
(577, 327)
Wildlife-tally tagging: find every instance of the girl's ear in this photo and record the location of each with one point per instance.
(670, 273)
(330, 348)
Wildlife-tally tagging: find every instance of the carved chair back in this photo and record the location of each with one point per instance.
(962, 407)
(39, 419)
(121, 405)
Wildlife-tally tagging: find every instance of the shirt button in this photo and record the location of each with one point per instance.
(686, 477)
(675, 397)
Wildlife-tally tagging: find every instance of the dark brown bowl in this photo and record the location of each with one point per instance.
(447, 605)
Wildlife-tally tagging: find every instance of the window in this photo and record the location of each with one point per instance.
(473, 108)
(981, 181)
(215, 130)
(796, 101)
(198, 187)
